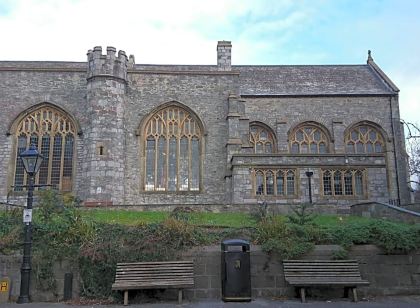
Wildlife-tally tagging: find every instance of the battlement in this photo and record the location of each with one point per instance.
(107, 65)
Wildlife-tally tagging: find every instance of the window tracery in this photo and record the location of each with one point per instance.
(173, 151)
(261, 139)
(53, 133)
(364, 139)
(309, 138)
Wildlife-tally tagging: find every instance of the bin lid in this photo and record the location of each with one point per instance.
(235, 242)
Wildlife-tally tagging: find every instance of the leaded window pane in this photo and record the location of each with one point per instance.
(360, 147)
(259, 183)
(290, 183)
(269, 183)
(359, 183)
(338, 185)
(369, 147)
(195, 164)
(67, 163)
(20, 170)
(378, 147)
(150, 163)
(172, 163)
(183, 164)
(56, 160)
(348, 183)
(45, 151)
(327, 183)
(280, 183)
(176, 161)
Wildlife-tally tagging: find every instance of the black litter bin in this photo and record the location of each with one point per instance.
(236, 271)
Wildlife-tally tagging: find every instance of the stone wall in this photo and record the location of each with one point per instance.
(244, 190)
(10, 267)
(385, 211)
(387, 274)
(397, 274)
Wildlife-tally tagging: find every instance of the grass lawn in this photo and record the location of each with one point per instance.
(233, 220)
(228, 219)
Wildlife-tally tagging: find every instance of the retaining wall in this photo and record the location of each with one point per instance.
(397, 274)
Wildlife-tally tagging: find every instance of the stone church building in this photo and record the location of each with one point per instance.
(212, 136)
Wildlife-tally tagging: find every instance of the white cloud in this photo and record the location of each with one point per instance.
(154, 31)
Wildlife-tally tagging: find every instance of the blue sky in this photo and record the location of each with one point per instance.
(262, 32)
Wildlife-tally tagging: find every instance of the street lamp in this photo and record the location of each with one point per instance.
(31, 160)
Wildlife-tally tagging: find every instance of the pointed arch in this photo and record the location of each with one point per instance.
(13, 124)
(53, 132)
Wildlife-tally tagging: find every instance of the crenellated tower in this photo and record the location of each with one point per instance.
(104, 151)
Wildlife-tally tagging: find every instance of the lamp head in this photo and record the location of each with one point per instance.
(31, 160)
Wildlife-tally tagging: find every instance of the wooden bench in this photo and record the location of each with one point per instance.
(311, 273)
(154, 275)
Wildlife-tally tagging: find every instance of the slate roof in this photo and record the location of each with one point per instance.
(276, 80)
(311, 80)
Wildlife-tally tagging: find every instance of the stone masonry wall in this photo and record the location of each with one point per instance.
(10, 267)
(397, 274)
(336, 114)
(24, 89)
(244, 190)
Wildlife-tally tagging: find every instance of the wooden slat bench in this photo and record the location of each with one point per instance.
(311, 273)
(154, 275)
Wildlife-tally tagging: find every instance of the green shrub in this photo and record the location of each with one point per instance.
(287, 240)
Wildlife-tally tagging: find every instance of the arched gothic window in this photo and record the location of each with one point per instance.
(53, 133)
(261, 139)
(173, 140)
(309, 138)
(364, 139)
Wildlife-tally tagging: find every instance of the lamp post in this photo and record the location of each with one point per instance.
(309, 174)
(31, 160)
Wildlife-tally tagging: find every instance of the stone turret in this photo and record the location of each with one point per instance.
(107, 65)
(103, 168)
